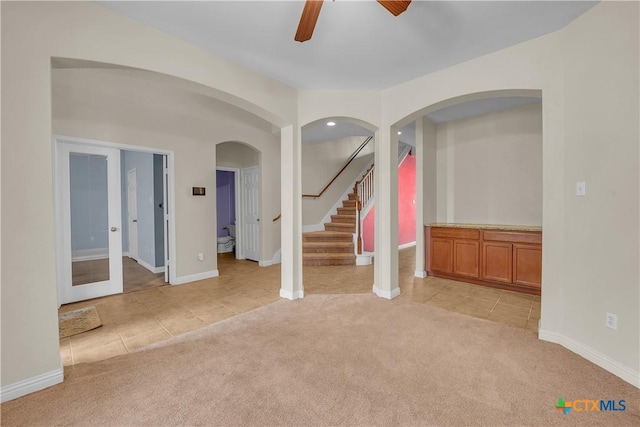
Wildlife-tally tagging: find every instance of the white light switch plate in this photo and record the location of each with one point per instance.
(581, 189)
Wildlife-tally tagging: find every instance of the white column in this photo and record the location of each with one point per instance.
(385, 280)
(291, 286)
(426, 188)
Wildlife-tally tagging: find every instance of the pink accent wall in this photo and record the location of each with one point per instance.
(406, 207)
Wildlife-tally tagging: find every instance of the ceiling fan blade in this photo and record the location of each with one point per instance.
(396, 7)
(308, 20)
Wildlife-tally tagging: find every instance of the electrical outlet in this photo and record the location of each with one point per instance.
(612, 321)
(200, 257)
(581, 189)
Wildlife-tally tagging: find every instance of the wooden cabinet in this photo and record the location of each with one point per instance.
(505, 259)
(442, 255)
(527, 265)
(455, 251)
(496, 261)
(465, 258)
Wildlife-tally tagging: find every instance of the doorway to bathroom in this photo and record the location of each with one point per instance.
(227, 206)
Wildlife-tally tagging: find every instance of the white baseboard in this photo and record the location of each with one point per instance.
(30, 385)
(386, 294)
(407, 245)
(151, 268)
(421, 274)
(291, 295)
(275, 260)
(364, 258)
(195, 277)
(626, 373)
(89, 254)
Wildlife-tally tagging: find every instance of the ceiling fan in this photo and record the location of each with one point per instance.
(312, 10)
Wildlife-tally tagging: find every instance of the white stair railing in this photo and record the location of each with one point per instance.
(364, 191)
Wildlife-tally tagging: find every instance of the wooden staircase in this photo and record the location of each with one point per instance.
(334, 245)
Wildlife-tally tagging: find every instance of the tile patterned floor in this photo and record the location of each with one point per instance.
(136, 319)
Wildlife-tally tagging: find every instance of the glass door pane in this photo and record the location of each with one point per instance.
(89, 200)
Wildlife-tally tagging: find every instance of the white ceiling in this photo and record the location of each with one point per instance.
(356, 44)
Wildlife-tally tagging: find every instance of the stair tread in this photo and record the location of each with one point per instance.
(326, 233)
(327, 243)
(329, 255)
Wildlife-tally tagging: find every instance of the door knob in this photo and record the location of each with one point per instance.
(114, 228)
(135, 220)
(258, 220)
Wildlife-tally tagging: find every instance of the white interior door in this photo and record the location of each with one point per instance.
(132, 212)
(89, 221)
(251, 213)
(165, 214)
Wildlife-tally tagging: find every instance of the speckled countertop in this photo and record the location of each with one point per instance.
(500, 227)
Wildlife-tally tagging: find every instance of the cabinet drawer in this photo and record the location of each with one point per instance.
(512, 236)
(455, 233)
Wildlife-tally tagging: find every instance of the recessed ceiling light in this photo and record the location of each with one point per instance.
(399, 133)
(331, 123)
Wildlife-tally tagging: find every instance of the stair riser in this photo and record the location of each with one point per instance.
(327, 239)
(329, 248)
(343, 219)
(327, 251)
(346, 228)
(349, 204)
(347, 211)
(318, 262)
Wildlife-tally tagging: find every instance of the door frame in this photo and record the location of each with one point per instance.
(130, 254)
(170, 190)
(239, 208)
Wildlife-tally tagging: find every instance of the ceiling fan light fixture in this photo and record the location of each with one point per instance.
(331, 123)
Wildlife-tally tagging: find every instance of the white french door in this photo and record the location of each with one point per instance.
(251, 213)
(132, 212)
(89, 221)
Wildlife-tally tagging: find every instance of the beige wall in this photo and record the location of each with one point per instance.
(33, 33)
(602, 148)
(134, 107)
(320, 163)
(588, 75)
(236, 155)
(490, 168)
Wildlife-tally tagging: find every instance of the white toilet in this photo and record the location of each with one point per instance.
(227, 243)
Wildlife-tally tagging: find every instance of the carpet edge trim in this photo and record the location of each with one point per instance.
(626, 373)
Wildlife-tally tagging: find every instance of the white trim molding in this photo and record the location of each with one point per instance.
(364, 258)
(195, 277)
(406, 245)
(275, 260)
(31, 385)
(386, 294)
(154, 270)
(291, 295)
(421, 274)
(616, 368)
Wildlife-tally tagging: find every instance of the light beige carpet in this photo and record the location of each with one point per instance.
(335, 360)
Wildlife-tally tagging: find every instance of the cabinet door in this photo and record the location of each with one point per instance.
(442, 255)
(466, 258)
(527, 264)
(496, 261)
